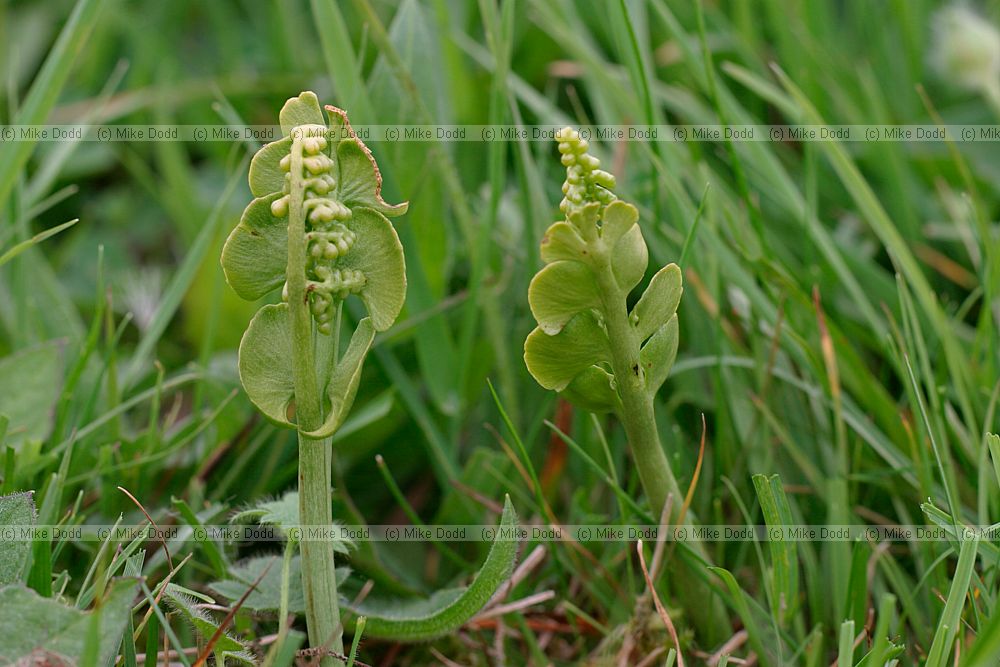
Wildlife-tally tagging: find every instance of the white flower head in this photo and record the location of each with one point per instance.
(966, 48)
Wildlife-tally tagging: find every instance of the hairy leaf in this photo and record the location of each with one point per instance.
(283, 513)
(554, 361)
(15, 510)
(267, 595)
(418, 619)
(445, 611)
(205, 626)
(38, 630)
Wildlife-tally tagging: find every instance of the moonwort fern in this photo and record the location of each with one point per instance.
(317, 228)
(588, 345)
(598, 353)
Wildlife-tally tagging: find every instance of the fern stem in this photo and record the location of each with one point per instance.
(657, 478)
(318, 576)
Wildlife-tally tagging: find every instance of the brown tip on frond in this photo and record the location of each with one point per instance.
(368, 153)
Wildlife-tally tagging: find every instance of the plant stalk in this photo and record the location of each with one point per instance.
(637, 417)
(657, 478)
(318, 570)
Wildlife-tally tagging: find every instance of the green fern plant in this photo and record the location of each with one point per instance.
(588, 345)
(317, 228)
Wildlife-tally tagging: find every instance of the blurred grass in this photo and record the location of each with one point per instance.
(839, 328)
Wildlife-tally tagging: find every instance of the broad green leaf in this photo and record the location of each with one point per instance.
(629, 259)
(265, 363)
(343, 384)
(255, 256)
(226, 645)
(562, 241)
(266, 175)
(559, 291)
(378, 254)
(301, 110)
(447, 610)
(38, 630)
(658, 355)
(15, 510)
(659, 302)
(267, 595)
(554, 361)
(30, 381)
(592, 390)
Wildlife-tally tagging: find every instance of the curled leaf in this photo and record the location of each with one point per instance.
(593, 391)
(265, 363)
(554, 361)
(658, 355)
(659, 302)
(360, 178)
(343, 384)
(447, 610)
(629, 258)
(412, 620)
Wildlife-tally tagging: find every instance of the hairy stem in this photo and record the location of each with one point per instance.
(318, 576)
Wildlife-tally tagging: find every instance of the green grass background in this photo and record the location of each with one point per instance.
(839, 323)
